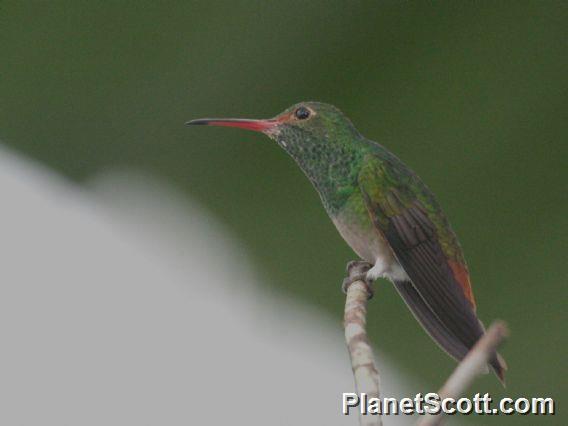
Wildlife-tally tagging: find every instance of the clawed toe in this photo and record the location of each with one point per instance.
(357, 271)
(360, 265)
(363, 278)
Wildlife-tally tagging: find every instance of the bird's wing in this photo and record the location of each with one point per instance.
(408, 216)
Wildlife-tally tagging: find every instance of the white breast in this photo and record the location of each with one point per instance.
(370, 245)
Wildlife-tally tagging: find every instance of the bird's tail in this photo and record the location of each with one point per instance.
(448, 341)
(499, 366)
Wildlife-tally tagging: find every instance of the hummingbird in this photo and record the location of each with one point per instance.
(388, 216)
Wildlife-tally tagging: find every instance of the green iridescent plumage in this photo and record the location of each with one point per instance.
(340, 162)
(386, 214)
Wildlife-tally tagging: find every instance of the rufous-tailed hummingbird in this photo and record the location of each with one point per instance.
(386, 214)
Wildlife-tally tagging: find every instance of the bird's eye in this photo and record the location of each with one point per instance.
(302, 113)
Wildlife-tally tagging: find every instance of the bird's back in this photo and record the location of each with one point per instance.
(408, 216)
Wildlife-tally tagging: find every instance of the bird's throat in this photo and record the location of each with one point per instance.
(331, 166)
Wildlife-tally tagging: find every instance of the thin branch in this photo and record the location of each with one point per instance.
(362, 360)
(474, 364)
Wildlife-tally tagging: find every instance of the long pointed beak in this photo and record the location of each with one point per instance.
(255, 125)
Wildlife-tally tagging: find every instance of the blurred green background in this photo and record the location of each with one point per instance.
(472, 95)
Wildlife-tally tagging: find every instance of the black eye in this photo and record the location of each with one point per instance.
(302, 113)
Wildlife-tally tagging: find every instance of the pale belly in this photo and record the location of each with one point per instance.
(361, 235)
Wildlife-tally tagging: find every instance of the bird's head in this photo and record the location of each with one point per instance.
(298, 128)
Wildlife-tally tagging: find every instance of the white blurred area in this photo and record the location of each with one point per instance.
(124, 303)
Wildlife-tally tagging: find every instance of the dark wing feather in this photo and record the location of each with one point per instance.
(418, 251)
(394, 197)
(431, 323)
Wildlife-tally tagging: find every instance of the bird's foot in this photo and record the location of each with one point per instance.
(357, 271)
